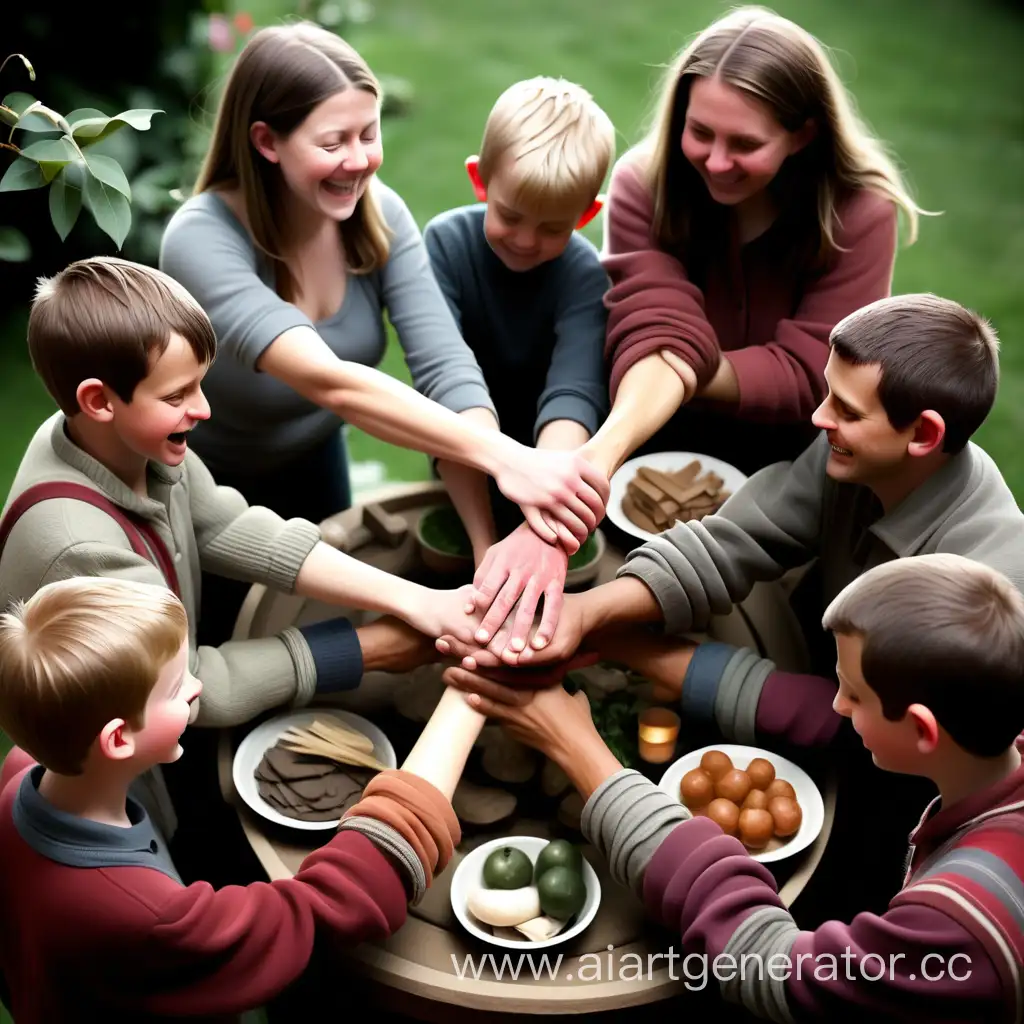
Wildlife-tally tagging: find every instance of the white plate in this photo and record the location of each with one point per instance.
(469, 875)
(664, 462)
(808, 796)
(251, 750)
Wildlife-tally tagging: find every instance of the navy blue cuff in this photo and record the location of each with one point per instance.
(337, 655)
(700, 684)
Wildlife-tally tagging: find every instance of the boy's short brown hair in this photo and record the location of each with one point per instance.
(78, 654)
(946, 632)
(558, 142)
(933, 353)
(108, 318)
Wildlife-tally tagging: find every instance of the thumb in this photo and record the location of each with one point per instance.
(484, 705)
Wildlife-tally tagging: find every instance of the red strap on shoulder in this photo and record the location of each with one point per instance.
(134, 528)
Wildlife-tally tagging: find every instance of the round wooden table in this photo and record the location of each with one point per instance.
(419, 967)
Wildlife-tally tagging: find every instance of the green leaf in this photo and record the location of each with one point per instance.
(82, 113)
(109, 172)
(21, 175)
(19, 102)
(109, 207)
(37, 117)
(92, 129)
(14, 247)
(66, 198)
(51, 155)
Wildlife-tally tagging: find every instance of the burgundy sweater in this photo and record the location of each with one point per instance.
(773, 322)
(949, 947)
(130, 943)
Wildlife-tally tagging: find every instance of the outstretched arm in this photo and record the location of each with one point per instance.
(564, 484)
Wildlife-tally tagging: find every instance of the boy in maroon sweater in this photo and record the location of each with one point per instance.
(96, 924)
(930, 652)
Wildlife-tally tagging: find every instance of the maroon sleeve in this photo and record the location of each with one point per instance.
(784, 380)
(206, 952)
(798, 709)
(929, 967)
(652, 305)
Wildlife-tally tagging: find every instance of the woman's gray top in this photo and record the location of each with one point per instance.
(260, 423)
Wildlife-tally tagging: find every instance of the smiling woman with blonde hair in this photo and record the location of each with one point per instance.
(758, 212)
(296, 251)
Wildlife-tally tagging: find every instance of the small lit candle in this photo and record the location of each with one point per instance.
(658, 731)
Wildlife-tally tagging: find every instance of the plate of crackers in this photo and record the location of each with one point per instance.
(304, 769)
(651, 493)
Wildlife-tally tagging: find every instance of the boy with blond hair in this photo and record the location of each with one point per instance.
(95, 688)
(930, 653)
(526, 289)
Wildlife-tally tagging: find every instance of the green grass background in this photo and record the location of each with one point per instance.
(939, 80)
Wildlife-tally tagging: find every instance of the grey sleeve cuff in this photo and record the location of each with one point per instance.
(467, 395)
(305, 666)
(767, 933)
(292, 548)
(651, 570)
(566, 406)
(627, 818)
(739, 694)
(385, 838)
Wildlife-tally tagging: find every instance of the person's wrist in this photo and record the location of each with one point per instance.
(603, 454)
(496, 452)
(589, 763)
(409, 602)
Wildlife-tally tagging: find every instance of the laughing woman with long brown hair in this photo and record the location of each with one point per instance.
(758, 212)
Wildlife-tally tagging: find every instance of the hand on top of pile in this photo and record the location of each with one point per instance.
(561, 493)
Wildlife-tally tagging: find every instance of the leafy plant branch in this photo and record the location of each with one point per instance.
(64, 162)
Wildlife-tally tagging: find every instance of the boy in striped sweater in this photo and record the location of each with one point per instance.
(930, 657)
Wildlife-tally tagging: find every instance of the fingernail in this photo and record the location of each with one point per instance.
(469, 664)
(517, 644)
(482, 636)
(540, 641)
(469, 608)
(443, 646)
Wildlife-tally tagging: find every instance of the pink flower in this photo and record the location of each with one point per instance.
(219, 34)
(244, 22)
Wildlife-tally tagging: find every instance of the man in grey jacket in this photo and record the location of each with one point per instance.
(893, 475)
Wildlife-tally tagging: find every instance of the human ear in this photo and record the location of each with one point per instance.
(929, 433)
(264, 141)
(115, 740)
(592, 211)
(94, 400)
(473, 170)
(927, 728)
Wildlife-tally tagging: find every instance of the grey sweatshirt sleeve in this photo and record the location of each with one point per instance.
(626, 819)
(770, 525)
(576, 387)
(205, 249)
(442, 366)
